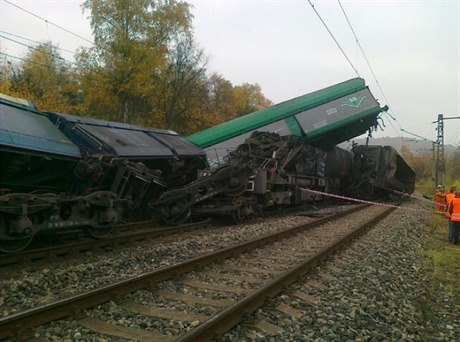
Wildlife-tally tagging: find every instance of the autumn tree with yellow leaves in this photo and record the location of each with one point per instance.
(144, 68)
(44, 78)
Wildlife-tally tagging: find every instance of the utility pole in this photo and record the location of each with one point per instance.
(440, 160)
(440, 165)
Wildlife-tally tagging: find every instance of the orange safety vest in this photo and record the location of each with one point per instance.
(449, 197)
(454, 210)
(440, 198)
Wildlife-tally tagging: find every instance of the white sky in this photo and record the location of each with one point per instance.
(412, 46)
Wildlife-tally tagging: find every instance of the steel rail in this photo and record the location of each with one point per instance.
(109, 241)
(18, 324)
(231, 316)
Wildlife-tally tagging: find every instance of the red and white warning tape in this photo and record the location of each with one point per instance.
(365, 201)
(413, 196)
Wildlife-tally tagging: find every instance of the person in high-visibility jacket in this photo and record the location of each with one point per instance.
(439, 198)
(449, 197)
(454, 215)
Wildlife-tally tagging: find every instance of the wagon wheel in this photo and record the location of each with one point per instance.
(178, 219)
(238, 215)
(98, 232)
(11, 246)
(14, 246)
(239, 189)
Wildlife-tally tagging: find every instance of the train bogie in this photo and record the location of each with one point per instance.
(23, 215)
(62, 172)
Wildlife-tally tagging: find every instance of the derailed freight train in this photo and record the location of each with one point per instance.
(277, 154)
(269, 169)
(61, 172)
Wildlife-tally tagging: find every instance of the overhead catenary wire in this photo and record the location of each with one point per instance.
(35, 48)
(51, 67)
(369, 65)
(333, 37)
(43, 51)
(28, 61)
(35, 41)
(50, 22)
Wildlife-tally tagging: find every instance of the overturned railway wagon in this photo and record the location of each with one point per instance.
(324, 118)
(62, 172)
(382, 172)
(274, 156)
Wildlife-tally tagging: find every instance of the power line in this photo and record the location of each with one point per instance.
(35, 41)
(49, 22)
(368, 64)
(36, 49)
(52, 67)
(28, 60)
(335, 40)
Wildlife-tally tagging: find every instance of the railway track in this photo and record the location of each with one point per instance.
(228, 284)
(123, 234)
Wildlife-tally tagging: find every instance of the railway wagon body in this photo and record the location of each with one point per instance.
(266, 170)
(324, 118)
(269, 169)
(138, 162)
(382, 171)
(61, 172)
(279, 151)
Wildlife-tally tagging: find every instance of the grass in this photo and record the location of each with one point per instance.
(428, 188)
(425, 187)
(443, 258)
(441, 264)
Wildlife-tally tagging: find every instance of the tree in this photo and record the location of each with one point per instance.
(222, 97)
(453, 166)
(249, 98)
(182, 101)
(132, 43)
(46, 79)
(6, 71)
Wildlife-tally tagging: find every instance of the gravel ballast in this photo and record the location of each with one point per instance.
(33, 287)
(373, 291)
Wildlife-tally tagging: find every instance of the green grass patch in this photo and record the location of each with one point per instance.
(426, 187)
(443, 258)
(442, 271)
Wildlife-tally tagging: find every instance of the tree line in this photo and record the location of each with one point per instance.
(144, 68)
(423, 166)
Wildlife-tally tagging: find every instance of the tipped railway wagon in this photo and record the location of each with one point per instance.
(323, 119)
(63, 172)
(274, 156)
(272, 170)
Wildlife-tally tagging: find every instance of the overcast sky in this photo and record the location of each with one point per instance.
(412, 46)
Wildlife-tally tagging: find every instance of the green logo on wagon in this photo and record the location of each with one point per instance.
(354, 102)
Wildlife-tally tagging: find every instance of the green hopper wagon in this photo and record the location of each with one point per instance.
(324, 118)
